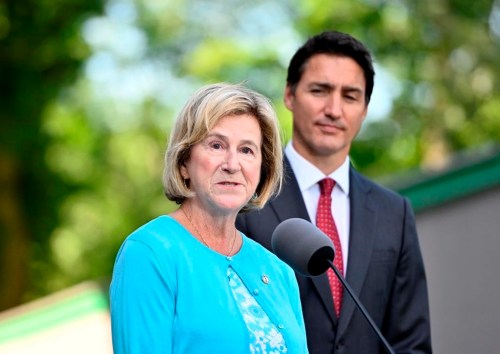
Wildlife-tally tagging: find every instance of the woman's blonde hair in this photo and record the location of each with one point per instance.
(198, 117)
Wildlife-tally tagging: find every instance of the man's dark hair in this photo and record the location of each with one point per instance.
(332, 43)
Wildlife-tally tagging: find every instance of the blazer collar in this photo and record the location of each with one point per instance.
(290, 204)
(361, 243)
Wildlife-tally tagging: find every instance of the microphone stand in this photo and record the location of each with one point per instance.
(361, 308)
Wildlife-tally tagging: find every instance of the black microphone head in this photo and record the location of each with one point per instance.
(302, 246)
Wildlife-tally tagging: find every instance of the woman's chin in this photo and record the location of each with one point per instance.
(232, 205)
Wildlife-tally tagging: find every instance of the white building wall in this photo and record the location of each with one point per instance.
(460, 243)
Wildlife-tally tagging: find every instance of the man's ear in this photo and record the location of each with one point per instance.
(365, 112)
(288, 97)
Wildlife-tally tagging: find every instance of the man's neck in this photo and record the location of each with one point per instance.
(325, 163)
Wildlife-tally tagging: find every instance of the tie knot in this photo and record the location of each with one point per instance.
(326, 185)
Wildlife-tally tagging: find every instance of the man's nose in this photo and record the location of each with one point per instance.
(333, 106)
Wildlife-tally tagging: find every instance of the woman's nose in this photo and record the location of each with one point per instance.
(231, 163)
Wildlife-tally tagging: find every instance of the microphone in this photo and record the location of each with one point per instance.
(303, 246)
(310, 252)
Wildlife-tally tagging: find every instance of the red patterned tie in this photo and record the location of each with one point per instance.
(324, 220)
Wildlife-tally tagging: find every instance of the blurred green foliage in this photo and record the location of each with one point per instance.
(40, 53)
(90, 90)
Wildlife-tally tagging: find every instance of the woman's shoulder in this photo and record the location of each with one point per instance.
(160, 231)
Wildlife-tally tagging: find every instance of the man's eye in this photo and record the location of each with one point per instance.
(317, 91)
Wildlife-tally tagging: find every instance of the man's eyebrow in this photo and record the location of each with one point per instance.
(354, 89)
(330, 86)
(323, 85)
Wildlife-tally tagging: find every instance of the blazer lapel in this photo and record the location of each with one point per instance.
(290, 204)
(361, 243)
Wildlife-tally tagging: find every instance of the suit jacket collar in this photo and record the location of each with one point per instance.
(361, 243)
(290, 204)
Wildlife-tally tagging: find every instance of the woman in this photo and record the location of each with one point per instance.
(189, 282)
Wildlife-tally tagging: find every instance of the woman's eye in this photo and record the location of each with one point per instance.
(216, 146)
(247, 150)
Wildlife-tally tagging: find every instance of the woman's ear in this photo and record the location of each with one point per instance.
(184, 171)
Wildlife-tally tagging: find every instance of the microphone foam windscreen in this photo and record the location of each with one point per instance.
(302, 246)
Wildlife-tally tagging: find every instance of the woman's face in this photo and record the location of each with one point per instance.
(224, 168)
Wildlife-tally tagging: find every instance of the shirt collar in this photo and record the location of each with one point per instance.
(314, 175)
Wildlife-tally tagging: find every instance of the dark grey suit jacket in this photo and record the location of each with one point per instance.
(385, 269)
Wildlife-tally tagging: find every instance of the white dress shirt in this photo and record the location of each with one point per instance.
(309, 187)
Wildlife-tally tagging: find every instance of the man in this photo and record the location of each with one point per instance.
(329, 85)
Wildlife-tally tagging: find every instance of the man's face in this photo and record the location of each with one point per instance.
(328, 108)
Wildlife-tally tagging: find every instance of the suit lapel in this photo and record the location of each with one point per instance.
(290, 204)
(361, 243)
